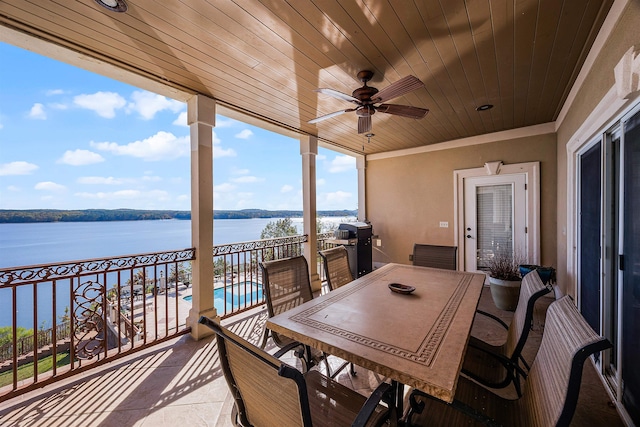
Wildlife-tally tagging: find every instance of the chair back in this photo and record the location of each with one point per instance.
(286, 285)
(551, 392)
(263, 397)
(531, 289)
(336, 267)
(435, 256)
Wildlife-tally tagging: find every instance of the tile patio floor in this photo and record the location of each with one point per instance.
(179, 383)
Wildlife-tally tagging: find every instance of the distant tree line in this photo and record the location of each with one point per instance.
(54, 215)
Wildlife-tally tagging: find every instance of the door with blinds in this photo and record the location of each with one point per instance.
(494, 218)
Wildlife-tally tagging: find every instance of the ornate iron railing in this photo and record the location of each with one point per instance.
(109, 307)
(237, 276)
(67, 316)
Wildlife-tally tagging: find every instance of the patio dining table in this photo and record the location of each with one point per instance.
(417, 339)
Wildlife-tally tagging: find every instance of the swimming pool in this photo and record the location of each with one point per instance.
(239, 295)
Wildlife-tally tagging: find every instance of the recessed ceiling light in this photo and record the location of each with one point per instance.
(113, 5)
(484, 107)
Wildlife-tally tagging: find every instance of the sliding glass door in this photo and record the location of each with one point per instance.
(631, 268)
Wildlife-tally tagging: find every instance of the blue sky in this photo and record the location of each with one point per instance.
(71, 139)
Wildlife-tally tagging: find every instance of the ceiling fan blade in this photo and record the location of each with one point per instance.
(338, 95)
(328, 116)
(403, 110)
(364, 124)
(399, 88)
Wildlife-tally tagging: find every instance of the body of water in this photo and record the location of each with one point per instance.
(51, 242)
(46, 243)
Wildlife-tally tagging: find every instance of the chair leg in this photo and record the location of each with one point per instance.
(265, 336)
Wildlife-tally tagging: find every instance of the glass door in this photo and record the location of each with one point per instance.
(589, 238)
(495, 218)
(630, 266)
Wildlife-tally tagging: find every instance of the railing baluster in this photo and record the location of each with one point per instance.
(54, 329)
(114, 304)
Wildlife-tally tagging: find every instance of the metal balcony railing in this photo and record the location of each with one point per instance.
(69, 316)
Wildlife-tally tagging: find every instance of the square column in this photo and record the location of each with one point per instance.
(309, 152)
(201, 115)
(361, 166)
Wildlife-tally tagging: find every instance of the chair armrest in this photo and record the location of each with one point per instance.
(287, 348)
(496, 318)
(382, 393)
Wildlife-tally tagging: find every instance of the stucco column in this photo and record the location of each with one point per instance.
(361, 165)
(309, 152)
(201, 115)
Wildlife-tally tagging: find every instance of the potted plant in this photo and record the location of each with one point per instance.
(505, 280)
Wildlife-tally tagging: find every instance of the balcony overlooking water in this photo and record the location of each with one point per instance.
(90, 312)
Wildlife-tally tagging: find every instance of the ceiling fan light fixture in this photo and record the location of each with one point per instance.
(484, 107)
(118, 6)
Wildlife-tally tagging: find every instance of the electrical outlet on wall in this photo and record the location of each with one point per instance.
(444, 224)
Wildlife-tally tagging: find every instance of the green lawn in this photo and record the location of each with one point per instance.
(26, 371)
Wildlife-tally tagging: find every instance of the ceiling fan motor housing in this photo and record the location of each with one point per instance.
(364, 94)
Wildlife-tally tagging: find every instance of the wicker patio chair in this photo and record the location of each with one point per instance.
(286, 285)
(336, 267)
(435, 256)
(497, 366)
(550, 394)
(267, 392)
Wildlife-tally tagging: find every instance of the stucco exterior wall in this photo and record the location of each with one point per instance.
(599, 81)
(408, 196)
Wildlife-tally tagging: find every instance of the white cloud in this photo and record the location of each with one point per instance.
(247, 179)
(104, 104)
(147, 104)
(161, 146)
(13, 188)
(37, 112)
(224, 188)
(58, 106)
(321, 181)
(218, 151)
(49, 186)
(80, 158)
(53, 92)
(181, 120)
(97, 180)
(240, 171)
(222, 123)
(183, 197)
(244, 134)
(17, 168)
(286, 188)
(1, 125)
(321, 157)
(337, 197)
(342, 164)
(126, 195)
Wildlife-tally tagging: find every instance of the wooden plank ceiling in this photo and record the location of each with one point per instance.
(266, 57)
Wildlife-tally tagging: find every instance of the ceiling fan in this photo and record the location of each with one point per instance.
(368, 100)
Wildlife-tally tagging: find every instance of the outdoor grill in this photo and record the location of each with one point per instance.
(359, 247)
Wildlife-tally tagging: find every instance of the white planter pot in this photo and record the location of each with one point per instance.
(505, 293)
